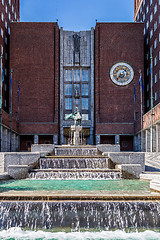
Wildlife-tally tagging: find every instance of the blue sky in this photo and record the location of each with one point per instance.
(76, 14)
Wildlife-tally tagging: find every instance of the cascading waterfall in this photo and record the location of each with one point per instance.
(75, 175)
(80, 215)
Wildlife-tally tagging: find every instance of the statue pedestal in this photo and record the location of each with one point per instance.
(76, 130)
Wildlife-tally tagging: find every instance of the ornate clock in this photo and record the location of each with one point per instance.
(121, 73)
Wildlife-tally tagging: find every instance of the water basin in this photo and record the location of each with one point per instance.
(120, 186)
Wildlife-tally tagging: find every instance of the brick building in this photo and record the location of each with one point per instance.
(94, 70)
(148, 12)
(9, 10)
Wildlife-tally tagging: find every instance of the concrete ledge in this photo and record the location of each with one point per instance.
(108, 148)
(42, 148)
(130, 171)
(20, 158)
(127, 158)
(18, 171)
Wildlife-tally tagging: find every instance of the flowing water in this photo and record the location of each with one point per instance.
(79, 216)
(19, 234)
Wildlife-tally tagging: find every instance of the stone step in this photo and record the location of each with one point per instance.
(76, 151)
(75, 174)
(74, 162)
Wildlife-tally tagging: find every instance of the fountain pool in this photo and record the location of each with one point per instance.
(120, 186)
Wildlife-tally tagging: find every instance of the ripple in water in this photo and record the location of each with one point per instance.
(19, 234)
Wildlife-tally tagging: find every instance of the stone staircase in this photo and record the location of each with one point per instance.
(82, 162)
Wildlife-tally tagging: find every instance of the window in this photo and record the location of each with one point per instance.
(68, 75)
(9, 30)
(147, 9)
(155, 43)
(138, 17)
(6, 56)
(85, 89)
(147, 71)
(76, 90)
(85, 75)
(147, 102)
(1, 32)
(9, 16)
(2, 2)
(15, 16)
(1, 49)
(147, 56)
(141, 9)
(76, 75)
(6, 9)
(159, 37)
(147, 25)
(151, 49)
(155, 26)
(144, 31)
(5, 40)
(159, 55)
(148, 87)
(147, 41)
(143, 2)
(155, 61)
(12, 9)
(68, 103)
(143, 17)
(150, 2)
(85, 117)
(155, 96)
(151, 17)
(5, 24)
(68, 89)
(9, 2)
(85, 103)
(155, 8)
(155, 78)
(151, 33)
(2, 17)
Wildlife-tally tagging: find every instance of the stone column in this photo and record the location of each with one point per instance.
(8, 141)
(4, 142)
(91, 136)
(147, 134)
(117, 140)
(157, 138)
(154, 139)
(98, 139)
(143, 141)
(13, 142)
(55, 139)
(36, 140)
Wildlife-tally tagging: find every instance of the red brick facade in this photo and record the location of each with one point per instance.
(117, 42)
(34, 59)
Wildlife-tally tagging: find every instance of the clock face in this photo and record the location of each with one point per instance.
(121, 73)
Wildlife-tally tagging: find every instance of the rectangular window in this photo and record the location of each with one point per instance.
(85, 75)
(76, 101)
(147, 102)
(147, 41)
(151, 33)
(150, 2)
(147, 9)
(85, 89)
(155, 26)
(155, 78)
(85, 117)
(155, 8)
(143, 17)
(68, 89)
(1, 32)
(68, 103)
(155, 96)
(2, 2)
(76, 75)
(155, 43)
(84, 103)
(2, 17)
(151, 17)
(155, 61)
(147, 25)
(68, 75)
(76, 90)
(148, 87)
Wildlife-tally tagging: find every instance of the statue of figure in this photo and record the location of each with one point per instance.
(75, 116)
